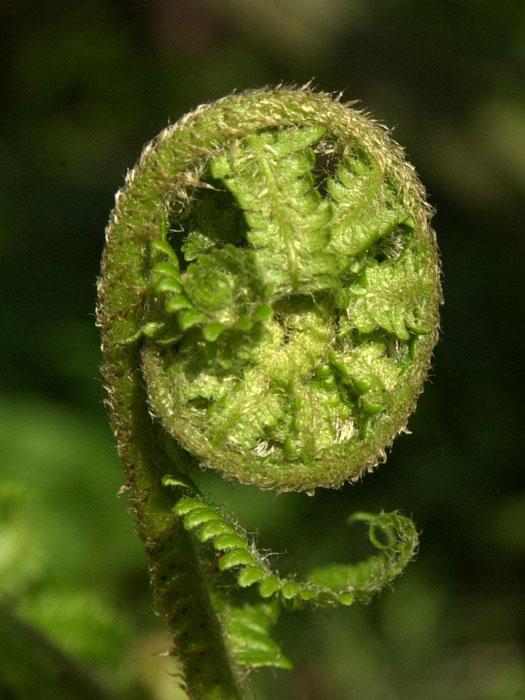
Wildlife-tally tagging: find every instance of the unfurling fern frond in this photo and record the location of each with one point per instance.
(333, 585)
(269, 304)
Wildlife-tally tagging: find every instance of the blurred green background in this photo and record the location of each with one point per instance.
(84, 85)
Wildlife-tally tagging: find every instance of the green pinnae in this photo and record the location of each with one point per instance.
(324, 371)
(207, 285)
(213, 528)
(213, 330)
(198, 516)
(346, 599)
(288, 447)
(152, 329)
(370, 407)
(166, 269)
(290, 590)
(186, 505)
(188, 319)
(167, 285)
(269, 586)
(244, 323)
(297, 403)
(164, 247)
(249, 576)
(236, 557)
(229, 541)
(334, 399)
(362, 384)
(175, 303)
(329, 383)
(345, 411)
(297, 422)
(339, 366)
(263, 313)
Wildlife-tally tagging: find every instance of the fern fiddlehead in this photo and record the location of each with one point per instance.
(268, 304)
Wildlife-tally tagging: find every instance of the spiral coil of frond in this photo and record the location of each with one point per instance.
(269, 305)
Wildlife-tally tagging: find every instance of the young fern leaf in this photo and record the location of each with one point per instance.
(333, 585)
(269, 304)
(271, 177)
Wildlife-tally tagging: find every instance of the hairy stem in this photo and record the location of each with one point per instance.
(176, 573)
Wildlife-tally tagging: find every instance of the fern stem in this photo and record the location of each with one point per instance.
(176, 574)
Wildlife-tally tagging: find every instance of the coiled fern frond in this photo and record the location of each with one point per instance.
(269, 305)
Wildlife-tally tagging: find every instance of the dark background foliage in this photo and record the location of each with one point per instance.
(84, 85)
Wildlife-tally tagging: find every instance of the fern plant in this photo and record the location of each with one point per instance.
(269, 304)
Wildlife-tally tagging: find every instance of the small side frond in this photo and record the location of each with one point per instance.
(328, 586)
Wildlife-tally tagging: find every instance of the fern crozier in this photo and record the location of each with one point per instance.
(269, 305)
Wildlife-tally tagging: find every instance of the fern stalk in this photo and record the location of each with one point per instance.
(268, 304)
